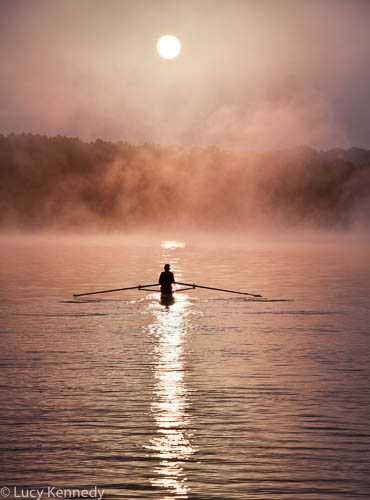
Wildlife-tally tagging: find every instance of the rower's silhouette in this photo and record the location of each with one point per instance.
(166, 280)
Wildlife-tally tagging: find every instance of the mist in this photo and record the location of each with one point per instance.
(100, 133)
(60, 183)
(252, 75)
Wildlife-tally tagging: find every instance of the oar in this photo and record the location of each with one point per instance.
(114, 290)
(193, 285)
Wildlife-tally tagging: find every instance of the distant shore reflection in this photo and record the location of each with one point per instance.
(169, 404)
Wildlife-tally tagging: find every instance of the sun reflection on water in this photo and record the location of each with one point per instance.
(169, 406)
(172, 244)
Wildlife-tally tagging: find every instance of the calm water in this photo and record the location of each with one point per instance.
(215, 397)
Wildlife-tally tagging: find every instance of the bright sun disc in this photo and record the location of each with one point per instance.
(168, 46)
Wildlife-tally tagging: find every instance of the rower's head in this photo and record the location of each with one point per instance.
(166, 267)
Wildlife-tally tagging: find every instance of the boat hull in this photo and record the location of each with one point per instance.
(167, 298)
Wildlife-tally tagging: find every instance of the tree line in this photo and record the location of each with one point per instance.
(65, 183)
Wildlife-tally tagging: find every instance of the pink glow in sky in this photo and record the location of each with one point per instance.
(252, 75)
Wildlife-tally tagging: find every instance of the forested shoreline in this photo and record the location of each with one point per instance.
(65, 183)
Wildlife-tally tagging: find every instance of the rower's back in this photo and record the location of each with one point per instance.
(166, 280)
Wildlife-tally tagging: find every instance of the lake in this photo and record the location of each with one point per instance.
(217, 396)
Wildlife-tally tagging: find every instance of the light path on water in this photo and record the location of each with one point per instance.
(215, 396)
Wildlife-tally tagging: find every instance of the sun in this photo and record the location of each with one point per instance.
(168, 46)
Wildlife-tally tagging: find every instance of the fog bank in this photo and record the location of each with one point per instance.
(62, 183)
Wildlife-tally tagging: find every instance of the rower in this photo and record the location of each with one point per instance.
(166, 280)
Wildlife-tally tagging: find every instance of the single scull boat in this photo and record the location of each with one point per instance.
(147, 288)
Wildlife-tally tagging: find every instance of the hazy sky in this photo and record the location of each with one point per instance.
(252, 74)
